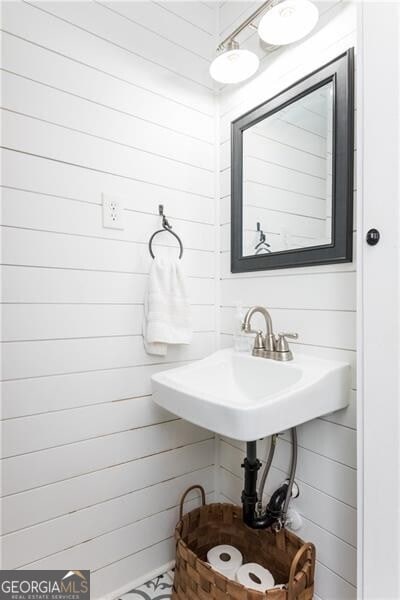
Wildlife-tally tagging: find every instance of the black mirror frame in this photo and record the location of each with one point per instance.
(340, 72)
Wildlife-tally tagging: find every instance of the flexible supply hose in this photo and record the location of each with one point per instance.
(293, 466)
(267, 468)
(266, 471)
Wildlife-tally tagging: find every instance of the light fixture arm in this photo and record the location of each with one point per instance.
(231, 37)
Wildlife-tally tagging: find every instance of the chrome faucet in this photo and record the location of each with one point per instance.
(267, 345)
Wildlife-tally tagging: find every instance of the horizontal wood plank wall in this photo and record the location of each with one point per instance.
(109, 97)
(317, 302)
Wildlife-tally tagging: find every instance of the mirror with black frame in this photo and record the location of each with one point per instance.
(292, 174)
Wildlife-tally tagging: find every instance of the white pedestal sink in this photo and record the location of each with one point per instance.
(247, 398)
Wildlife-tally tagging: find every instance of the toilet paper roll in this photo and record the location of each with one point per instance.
(255, 577)
(225, 559)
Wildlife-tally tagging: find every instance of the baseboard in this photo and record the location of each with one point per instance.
(135, 583)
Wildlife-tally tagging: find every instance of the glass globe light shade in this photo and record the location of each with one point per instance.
(288, 21)
(234, 65)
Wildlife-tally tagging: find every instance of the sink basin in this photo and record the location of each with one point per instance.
(247, 398)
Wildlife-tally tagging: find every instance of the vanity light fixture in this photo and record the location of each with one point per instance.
(284, 22)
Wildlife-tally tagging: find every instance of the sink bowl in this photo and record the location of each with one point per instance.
(247, 398)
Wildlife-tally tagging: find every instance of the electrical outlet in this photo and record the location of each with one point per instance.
(113, 212)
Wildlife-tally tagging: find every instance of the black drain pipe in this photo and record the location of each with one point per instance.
(251, 467)
(276, 510)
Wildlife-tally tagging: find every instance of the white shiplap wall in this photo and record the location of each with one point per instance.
(317, 302)
(99, 97)
(114, 97)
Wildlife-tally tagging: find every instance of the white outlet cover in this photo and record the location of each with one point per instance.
(113, 212)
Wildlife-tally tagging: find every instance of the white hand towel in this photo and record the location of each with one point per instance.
(167, 317)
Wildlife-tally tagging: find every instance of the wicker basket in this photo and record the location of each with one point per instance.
(290, 561)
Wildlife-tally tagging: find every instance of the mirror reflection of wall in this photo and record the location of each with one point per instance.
(287, 176)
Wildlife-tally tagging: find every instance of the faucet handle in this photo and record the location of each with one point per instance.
(282, 343)
(245, 327)
(292, 336)
(259, 341)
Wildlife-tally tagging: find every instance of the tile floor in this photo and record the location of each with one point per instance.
(158, 589)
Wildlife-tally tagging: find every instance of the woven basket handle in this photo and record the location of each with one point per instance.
(193, 487)
(308, 549)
